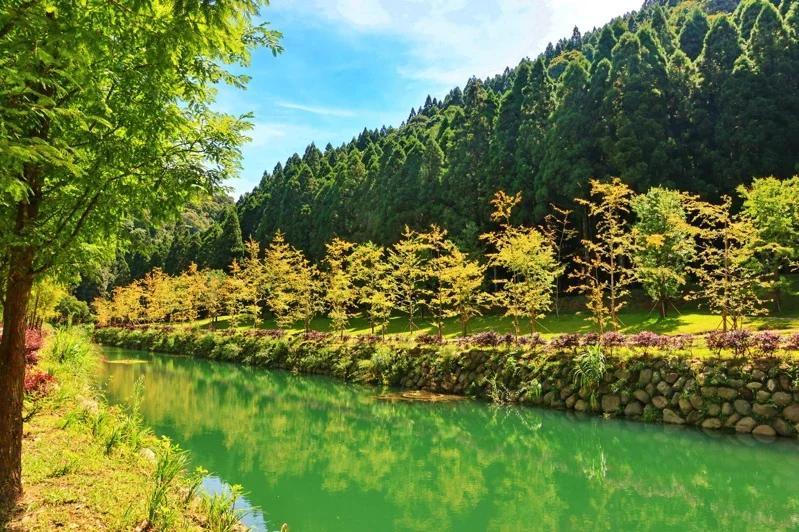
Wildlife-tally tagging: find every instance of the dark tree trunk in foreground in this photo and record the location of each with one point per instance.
(12, 374)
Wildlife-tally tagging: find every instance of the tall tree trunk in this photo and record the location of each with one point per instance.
(19, 283)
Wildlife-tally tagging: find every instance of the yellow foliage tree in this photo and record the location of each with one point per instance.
(410, 273)
(341, 293)
(529, 258)
(601, 274)
(375, 284)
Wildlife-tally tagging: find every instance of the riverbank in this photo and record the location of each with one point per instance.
(740, 386)
(90, 466)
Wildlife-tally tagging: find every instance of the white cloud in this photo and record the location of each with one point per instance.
(451, 40)
(262, 134)
(317, 110)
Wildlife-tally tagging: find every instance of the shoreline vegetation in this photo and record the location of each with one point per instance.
(738, 380)
(88, 465)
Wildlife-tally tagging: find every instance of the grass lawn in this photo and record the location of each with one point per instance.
(690, 322)
(85, 474)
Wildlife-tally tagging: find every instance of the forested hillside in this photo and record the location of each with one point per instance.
(697, 95)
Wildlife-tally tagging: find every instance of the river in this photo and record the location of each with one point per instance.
(322, 455)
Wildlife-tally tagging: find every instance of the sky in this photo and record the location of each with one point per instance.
(350, 64)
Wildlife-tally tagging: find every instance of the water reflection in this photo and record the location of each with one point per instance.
(321, 455)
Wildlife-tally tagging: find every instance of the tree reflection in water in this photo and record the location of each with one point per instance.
(323, 455)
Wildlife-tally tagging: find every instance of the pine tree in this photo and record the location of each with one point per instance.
(640, 151)
(567, 165)
(694, 31)
(506, 133)
(537, 107)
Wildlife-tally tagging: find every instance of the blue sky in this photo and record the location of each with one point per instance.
(350, 64)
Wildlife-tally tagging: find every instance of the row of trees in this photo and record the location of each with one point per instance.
(671, 96)
(659, 240)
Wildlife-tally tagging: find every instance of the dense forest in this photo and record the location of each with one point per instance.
(700, 96)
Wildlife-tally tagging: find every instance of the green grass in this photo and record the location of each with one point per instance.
(85, 464)
(690, 322)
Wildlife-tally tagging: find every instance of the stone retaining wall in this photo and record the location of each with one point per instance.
(758, 396)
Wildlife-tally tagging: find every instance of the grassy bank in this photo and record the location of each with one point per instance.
(91, 466)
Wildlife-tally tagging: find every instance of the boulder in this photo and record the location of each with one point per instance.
(571, 400)
(754, 386)
(660, 402)
(771, 385)
(785, 383)
(746, 425)
(634, 409)
(728, 394)
(713, 410)
(710, 391)
(758, 375)
(762, 396)
(582, 406)
(764, 411)
(641, 395)
(782, 398)
(782, 427)
(742, 407)
(711, 423)
(665, 389)
(791, 413)
(685, 405)
(671, 377)
(726, 409)
(669, 416)
(764, 431)
(610, 403)
(645, 376)
(696, 401)
(732, 420)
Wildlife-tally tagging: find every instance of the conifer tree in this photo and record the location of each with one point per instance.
(692, 35)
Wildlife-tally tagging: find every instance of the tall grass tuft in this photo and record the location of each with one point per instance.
(220, 510)
(170, 462)
(590, 368)
(71, 351)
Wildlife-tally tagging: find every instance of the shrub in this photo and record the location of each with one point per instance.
(533, 340)
(565, 341)
(767, 342)
(37, 382)
(227, 351)
(739, 342)
(428, 339)
(612, 339)
(589, 339)
(792, 343)
(681, 342)
(315, 336)
(647, 341)
(485, 339)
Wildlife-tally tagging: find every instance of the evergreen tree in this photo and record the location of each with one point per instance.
(538, 104)
(692, 36)
(567, 168)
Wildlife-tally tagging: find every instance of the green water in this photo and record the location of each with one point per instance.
(322, 455)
